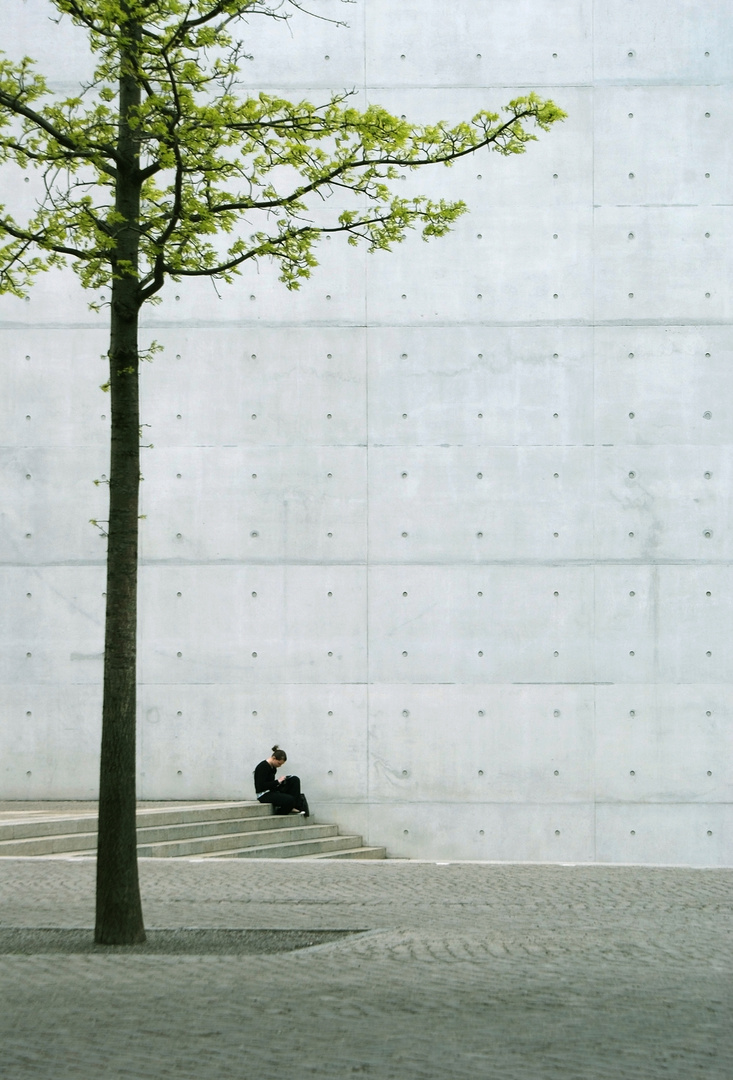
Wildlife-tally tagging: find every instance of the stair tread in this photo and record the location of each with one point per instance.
(285, 846)
(350, 851)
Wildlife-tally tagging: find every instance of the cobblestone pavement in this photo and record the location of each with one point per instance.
(467, 971)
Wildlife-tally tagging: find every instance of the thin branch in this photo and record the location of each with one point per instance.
(264, 249)
(359, 163)
(78, 150)
(46, 245)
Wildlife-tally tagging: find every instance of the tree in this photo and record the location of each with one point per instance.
(160, 169)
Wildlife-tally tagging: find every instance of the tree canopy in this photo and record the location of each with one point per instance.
(225, 178)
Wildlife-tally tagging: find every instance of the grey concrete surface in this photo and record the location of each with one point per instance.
(466, 971)
(451, 524)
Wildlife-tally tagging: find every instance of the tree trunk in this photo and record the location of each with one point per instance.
(119, 909)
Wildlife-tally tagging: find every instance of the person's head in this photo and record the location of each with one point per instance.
(278, 756)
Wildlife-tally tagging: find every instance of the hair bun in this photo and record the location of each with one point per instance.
(275, 747)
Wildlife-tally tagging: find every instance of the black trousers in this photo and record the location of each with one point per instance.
(287, 797)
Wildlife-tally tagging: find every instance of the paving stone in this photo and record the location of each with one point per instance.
(466, 971)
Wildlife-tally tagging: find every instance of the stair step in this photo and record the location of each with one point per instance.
(55, 824)
(229, 841)
(291, 849)
(352, 853)
(148, 834)
(54, 844)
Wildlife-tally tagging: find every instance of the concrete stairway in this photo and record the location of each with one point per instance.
(231, 830)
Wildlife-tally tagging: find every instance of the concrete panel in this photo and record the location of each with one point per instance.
(56, 299)
(51, 394)
(62, 56)
(656, 502)
(503, 268)
(324, 52)
(471, 385)
(657, 263)
(675, 379)
(53, 625)
(467, 504)
(417, 45)
(680, 834)
(50, 497)
(254, 504)
(485, 624)
(626, 612)
(671, 746)
(264, 624)
(671, 138)
(698, 598)
(231, 728)
(679, 41)
(508, 744)
(498, 831)
(302, 386)
(49, 739)
(334, 293)
(663, 624)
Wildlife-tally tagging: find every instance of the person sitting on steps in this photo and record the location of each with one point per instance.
(283, 792)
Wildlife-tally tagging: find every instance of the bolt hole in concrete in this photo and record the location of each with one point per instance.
(199, 942)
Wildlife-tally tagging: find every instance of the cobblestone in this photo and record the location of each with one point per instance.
(468, 970)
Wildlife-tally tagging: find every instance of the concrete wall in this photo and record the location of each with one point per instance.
(452, 524)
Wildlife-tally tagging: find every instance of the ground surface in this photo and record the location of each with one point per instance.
(466, 971)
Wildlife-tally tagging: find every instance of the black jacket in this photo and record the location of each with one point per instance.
(265, 774)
